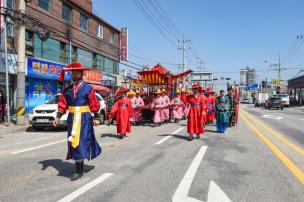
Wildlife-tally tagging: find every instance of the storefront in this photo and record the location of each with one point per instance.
(42, 81)
(296, 90)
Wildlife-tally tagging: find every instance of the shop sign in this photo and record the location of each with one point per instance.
(124, 44)
(92, 76)
(45, 69)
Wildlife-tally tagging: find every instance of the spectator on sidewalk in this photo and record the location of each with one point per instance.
(2, 109)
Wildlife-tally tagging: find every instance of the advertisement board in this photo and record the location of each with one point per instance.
(38, 91)
(45, 69)
(92, 76)
(124, 44)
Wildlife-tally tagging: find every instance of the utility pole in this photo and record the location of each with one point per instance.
(21, 69)
(183, 41)
(279, 69)
(8, 115)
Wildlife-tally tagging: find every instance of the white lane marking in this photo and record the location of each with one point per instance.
(38, 147)
(31, 140)
(181, 193)
(272, 117)
(169, 136)
(85, 188)
(216, 194)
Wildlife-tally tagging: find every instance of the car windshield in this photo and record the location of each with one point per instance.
(54, 100)
(282, 95)
(276, 98)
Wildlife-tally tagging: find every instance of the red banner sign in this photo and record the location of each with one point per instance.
(92, 76)
(124, 44)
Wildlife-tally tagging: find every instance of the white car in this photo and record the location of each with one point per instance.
(285, 99)
(43, 116)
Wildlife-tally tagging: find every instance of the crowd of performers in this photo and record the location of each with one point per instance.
(199, 106)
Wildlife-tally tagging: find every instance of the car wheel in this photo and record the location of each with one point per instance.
(38, 128)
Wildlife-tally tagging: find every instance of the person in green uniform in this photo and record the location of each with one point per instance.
(222, 109)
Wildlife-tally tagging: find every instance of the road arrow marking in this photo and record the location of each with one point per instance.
(85, 188)
(215, 194)
(181, 193)
(169, 136)
(272, 117)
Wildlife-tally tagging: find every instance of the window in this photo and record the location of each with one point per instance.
(29, 43)
(45, 4)
(111, 40)
(83, 21)
(85, 57)
(49, 49)
(99, 29)
(66, 12)
(64, 54)
(10, 30)
(10, 4)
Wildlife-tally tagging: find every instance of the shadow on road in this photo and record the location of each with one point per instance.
(110, 135)
(176, 136)
(46, 130)
(210, 131)
(64, 168)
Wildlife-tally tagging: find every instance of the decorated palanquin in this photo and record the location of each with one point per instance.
(157, 77)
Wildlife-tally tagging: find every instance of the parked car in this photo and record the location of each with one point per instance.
(285, 99)
(260, 99)
(244, 101)
(274, 102)
(250, 100)
(43, 116)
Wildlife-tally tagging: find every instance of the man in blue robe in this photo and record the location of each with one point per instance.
(80, 100)
(222, 109)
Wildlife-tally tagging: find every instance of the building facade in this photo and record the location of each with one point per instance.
(296, 90)
(72, 33)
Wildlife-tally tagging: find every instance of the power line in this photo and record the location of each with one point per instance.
(152, 21)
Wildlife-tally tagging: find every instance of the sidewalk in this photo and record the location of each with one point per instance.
(11, 129)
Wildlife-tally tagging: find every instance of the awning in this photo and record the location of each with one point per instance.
(182, 74)
(100, 88)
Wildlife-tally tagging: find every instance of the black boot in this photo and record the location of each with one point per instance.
(198, 136)
(190, 138)
(79, 171)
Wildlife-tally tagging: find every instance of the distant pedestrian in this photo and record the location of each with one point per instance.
(222, 108)
(2, 108)
(123, 111)
(80, 100)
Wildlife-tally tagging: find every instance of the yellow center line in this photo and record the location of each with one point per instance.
(275, 134)
(287, 162)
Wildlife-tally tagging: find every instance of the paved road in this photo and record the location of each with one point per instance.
(159, 164)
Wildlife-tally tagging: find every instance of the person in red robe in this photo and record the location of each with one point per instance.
(123, 111)
(197, 104)
(211, 104)
(205, 106)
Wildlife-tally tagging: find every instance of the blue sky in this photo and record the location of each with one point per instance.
(227, 34)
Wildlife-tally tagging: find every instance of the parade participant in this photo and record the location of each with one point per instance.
(232, 105)
(184, 100)
(166, 110)
(187, 105)
(139, 102)
(157, 106)
(211, 103)
(195, 124)
(205, 107)
(122, 109)
(222, 107)
(131, 96)
(79, 98)
(177, 105)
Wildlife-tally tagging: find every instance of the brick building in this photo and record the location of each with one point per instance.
(73, 33)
